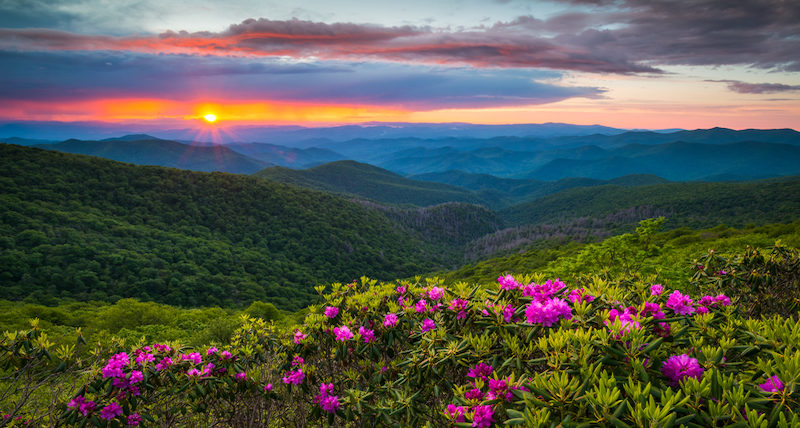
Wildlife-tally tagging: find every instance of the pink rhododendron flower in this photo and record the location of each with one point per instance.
(241, 376)
(458, 305)
(134, 419)
(428, 325)
(481, 370)
(390, 320)
(656, 289)
(342, 333)
(508, 313)
(164, 364)
(115, 365)
(401, 289)
(436, 293)
(680, 304)
(366, 334)
(225, 355)
(723, 300)
(548, 312)
(497, 389)
(508, 282)
(483, 417)
(421, 306)
(193, 373)
(297, 361)
(329, 403)
(678, 367)
(294, 377)
(111, 411)
(144, 357)
(331, 311)
(474, 394)
(212, 351)
(194, 357)
(81, 404)
(268, 387)
(455, 412)
(299, 337)
(702, 310)
(136, 376)
(773, 384)
(578, 296)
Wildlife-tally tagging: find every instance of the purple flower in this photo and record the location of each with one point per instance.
(421, 306)
(680, 304)
(579, 295)
(474, 394)
(367, 334)
(134, 419)
(508, 313)
(331, 311)
(483, 417)
(508, 282)
(428, 325)
(164, 364)
(294, 377)
(115, 365)
(81, 404)
(723, 300)
(225, 355)
(678, 367)
(455, 412)
(656, 289)
(297, 361)
(193, 357)
(342, 333)
(329, 403)
(481, 370)
(390, 320)
(435, 293)
(497, 389)
(325, 388)
(193, 373)
(299, 337)
(268, 387)
(773, 384)
(136, 377)
(212, 351)
(548, 312)
(143, 357)
(401, 289)
(702, 310)
(241, 376)
(111, 411)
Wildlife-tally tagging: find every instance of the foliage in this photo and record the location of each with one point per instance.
(595, 351)
(74, 227)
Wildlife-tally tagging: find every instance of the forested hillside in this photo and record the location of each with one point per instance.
(76, 227)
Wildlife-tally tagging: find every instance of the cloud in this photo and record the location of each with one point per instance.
(595, 36)
(757, 88)
(94, 75)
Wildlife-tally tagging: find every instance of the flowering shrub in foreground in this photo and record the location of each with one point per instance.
(527, 351)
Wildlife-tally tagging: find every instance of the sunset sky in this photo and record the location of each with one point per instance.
(624, 63)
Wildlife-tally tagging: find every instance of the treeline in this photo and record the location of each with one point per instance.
(80, 228)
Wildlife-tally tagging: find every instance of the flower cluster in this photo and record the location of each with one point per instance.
(679, 367)
(326, 400)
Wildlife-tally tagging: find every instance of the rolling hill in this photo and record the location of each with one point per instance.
(83, 228)
(147, 150)
(354, 178)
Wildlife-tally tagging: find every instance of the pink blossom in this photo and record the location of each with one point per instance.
(136, 376)
(225, 355)
(268, 387)
(111, 411)
(481, 370)
(342, 333)
(474, 394)
(455, 412)
(193, 373)
(297, 361)
(680, 304)
(194, 357)
(428, 325)
(143, 358)
(294, 377)
(678, 367)
(390, 320)
(241, 376)
(367, 334)
(773, 384)
(702, 310)
(723, 300)
(508, 313)
(299, 337)
(329, 403)
(134, 419)
(579, 295)
(547, 313)
(508, 282)
(81, 404)
(212, 351)
(115, 365)
(164, 364)
(331, 311)
(656, 289)
(421, 306)
(401, 289)
(435, 293)
(483, 417)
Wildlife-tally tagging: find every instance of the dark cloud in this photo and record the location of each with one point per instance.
(619, 36)
(95, 75)
(757, 88)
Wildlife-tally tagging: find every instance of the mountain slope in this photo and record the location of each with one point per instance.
(162, 153)
(286, 156)
(682, 161)
(375, 183)
(685, 204)
(85, 228)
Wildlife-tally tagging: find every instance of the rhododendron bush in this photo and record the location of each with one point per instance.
(529, 351)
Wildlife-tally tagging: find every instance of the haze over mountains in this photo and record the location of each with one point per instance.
(547, 152)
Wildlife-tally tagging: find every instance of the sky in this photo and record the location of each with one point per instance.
(653, 64)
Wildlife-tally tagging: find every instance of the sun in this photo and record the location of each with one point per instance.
(210, 118)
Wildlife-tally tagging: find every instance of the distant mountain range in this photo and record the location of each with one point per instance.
(546, 154)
